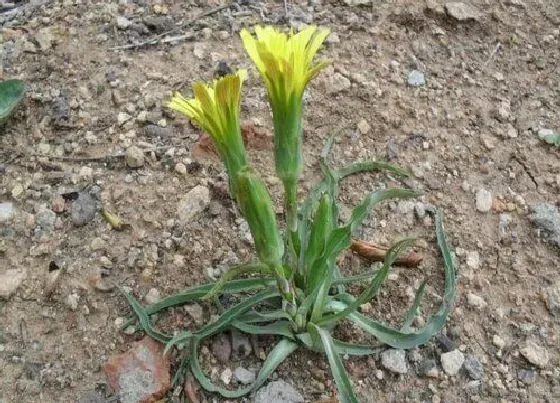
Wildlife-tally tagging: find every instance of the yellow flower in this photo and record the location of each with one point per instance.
(285, 61)
(215, 108)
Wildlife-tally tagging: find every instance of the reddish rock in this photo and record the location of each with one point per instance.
(141, 375)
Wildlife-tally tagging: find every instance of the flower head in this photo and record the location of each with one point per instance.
(215, 108)
(285, 63)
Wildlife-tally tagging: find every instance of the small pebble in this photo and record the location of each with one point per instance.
(395, 361)
(483, 201)
(244, 376)
(473, 260)
(476, 301)
(452, 362)
(134, 157)
(416, 78)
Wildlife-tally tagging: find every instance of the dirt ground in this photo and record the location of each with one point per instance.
(469, 132)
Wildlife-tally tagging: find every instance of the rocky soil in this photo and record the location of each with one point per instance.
(459, 93)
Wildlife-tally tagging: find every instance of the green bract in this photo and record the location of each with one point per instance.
(295, 290)
(11, 93)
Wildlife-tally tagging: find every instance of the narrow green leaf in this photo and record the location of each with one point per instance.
(356, 278)
(199, 292)
(263, 317)
(144, 320)
(346, 394)
(320, 301)
(553, 139)
(402, 339)
(278, 354)
(357, 349)
(233, 272)
(11, 93)
(341, 238)
(341, 346)
(369, 166)
(280, 328)
(414, 308)
(228, 316)
(320, 230)
(179, 338)
(373, 288)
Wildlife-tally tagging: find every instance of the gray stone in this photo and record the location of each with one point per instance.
(194, 202)
(416, 78)
(547, 217)
(10, 280)
(394, 360)
(134, 157)
(152, 296)
(483, 201)
(44, 38)
(196, 312)
(553, 299)
(244, 376)
(338, 83)
(240, 343)
(452, 362)
(45, 219)
(6, 212)
(476, 301)
(427, 368)
(461, 11)
(123, 22)
(221, 348)
(474, 367)
(278, 392)
(444, 343)
(83, 209)
(527, 376)
(473, 260)
(226, 376)
(159, 23)
(535, 354)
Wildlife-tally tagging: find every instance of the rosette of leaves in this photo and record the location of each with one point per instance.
(297, 293)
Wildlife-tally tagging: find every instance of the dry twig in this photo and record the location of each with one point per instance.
(376, 253)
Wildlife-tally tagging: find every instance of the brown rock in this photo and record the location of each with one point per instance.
(140, 375)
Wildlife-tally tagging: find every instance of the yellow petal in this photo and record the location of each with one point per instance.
(250, 45)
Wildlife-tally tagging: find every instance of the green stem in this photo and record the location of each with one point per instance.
(290, 204)
(290, 212)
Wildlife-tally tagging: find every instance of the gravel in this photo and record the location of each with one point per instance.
(535, 354)
(221, 348)
(452, 362)
(83, 209)
(194, 202)
(546, 217)
(461, 11)
(244, 376)
(395, 361)
(6, 212)
(134, 157)
(416, 78)
(476, 301)
(553, 299)
(474, 367)
(10, 280)
(473, 260)
(278, 392)
(527, 376)
(483, 201)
